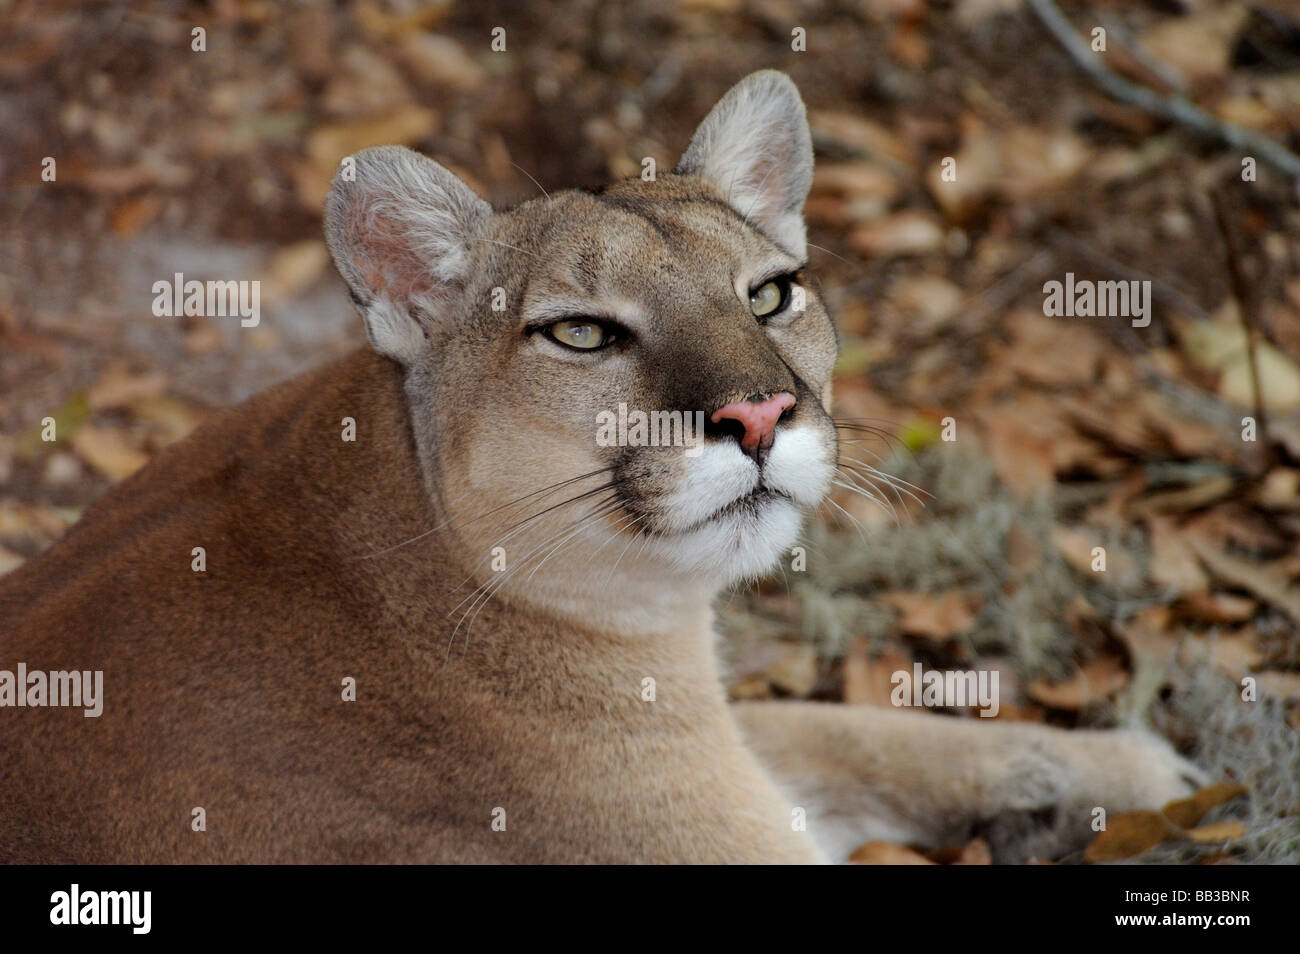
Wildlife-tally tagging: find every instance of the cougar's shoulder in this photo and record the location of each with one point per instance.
(264, 488)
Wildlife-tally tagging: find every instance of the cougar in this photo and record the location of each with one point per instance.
(408, 607)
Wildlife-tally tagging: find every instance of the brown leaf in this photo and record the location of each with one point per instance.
(1280, 490)
(752, 686)
(795, 670)
(1219, 831)
(1095, 680)
(933, 617)
(1188, 437)
(1076, 545)
(1216, 608)
(376, 20)
(1146, 635)
(1030, 441)
(1023, 552)
(1049, 353)
(976, 852)
(1173, 563)
(1237, 654)
(1260, 579)
(441, 60)
(120, 387)
(327, 145)
(1283, 684)
(170, 417)
(133, 214)
(294, 269)
(853, 131)
(107, 451)
(886, 853)
(9, 560)
(1130, 833)
(1188, 812)
(1200, 45)
(1023, 460)
(1183, 499)
(904, 233)
(867, 680)
(1220, 345)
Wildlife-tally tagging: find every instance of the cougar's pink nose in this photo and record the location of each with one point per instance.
(758, 417)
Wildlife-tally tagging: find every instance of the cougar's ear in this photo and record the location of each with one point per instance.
(400, 228)
(755, 149)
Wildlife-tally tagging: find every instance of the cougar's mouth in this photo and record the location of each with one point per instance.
(749, 503)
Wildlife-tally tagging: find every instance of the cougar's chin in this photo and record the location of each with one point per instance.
(745, 542)
(732, 521)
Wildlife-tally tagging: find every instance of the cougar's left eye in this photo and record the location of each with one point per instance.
(581, 334)
(770, 297)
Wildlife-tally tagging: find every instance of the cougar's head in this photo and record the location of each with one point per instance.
(631, 381)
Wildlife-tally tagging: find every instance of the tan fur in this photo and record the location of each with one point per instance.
(478, 690)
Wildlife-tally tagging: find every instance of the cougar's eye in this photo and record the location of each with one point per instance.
(581, 334)
(770, 297)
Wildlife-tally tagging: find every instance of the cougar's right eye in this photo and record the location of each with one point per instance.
(582, 334)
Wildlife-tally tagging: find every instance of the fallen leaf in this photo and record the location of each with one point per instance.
(1049, 352)
(1280, 490)
(1273, 588)
(1030, 441)
(1130, 833)
(1188, 812)
(1173, 563)
(933, 617)
(9, 561)
(441, 60)
(855, 132)
(108, 451)
(328, 145)
(1236, 655)
(1187, 436)
(1219, 344)
(752, 686)
(1094, 681)
(1146, 635)
(1192, 497)
(1199, 45)
(1216, 608)
(376, 20)
(120, 387)
(868, 680)
(886, 853)
(795, 670)
(1219, 831)
(133, 214)
(904, 233)
(1285, 685)
(927, 301)
(170, 417)
(293, 269)
(976, 852)
(1076, 546)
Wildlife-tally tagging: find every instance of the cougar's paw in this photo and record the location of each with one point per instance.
(1051, 814)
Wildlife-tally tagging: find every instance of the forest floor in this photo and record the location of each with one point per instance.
(1105, 511)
